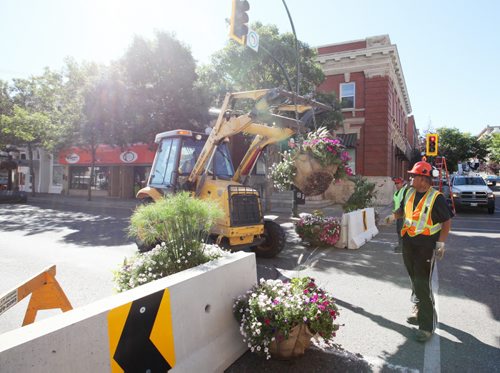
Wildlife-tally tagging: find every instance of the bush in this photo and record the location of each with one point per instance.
(362, 197)
(178, 227)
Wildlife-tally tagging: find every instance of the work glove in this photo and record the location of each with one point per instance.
(439, 252)
(389, 219)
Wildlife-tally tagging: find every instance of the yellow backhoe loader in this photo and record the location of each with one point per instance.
(201, 164)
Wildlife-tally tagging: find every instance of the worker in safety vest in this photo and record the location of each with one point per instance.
(427, 222)
(398, 198)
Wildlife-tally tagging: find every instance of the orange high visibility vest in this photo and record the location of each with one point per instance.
(419, 220)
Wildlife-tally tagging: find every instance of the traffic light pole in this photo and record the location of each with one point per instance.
(295, 212)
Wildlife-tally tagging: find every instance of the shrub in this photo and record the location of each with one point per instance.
(362, 197)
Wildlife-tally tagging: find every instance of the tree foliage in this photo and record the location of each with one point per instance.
(458, 147)
(238, 68)
(158, 88)
(494, 148)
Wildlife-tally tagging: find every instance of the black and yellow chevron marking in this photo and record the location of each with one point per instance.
(140, 335)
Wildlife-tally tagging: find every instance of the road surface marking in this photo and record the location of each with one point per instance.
(432, 353)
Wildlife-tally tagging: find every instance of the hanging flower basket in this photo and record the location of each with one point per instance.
(312, 178)
(312, 165)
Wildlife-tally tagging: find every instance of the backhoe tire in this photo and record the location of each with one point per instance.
(274, 243)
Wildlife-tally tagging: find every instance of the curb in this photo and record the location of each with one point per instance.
(74, 201)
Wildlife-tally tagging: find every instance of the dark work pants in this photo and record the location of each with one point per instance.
(399, 226)
(419, 262)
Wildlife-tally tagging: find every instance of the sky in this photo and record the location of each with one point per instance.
(449, 49)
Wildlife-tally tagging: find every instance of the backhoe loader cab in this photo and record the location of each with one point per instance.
(202, 164)
(176, 156)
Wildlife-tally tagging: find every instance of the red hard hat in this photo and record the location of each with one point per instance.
(397, 180)
(421, 168)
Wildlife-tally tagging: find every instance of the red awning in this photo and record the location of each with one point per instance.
(108, 155)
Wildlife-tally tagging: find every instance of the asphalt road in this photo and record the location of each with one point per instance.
(87, 242)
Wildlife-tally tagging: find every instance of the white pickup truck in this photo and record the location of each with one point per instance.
(472, 191)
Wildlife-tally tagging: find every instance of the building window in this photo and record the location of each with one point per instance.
(79, 178)
(347, 95)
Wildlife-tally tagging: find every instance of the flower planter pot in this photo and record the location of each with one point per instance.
(295, 345)
(312, 177)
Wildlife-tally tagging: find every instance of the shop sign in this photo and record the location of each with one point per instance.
(109, 155)
(72, 158)
(128, 157)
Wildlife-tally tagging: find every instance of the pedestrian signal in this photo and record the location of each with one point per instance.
(431, 144)
(238, 28)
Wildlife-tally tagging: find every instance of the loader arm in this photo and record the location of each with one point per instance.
(229, 124)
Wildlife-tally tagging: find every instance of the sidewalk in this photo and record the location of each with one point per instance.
(79, 201)
(278, 215)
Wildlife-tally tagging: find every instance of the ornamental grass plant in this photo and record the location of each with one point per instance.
(270, 310)
(177, 228)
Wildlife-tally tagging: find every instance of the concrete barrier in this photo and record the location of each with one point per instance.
(358, 227)
(181, 323)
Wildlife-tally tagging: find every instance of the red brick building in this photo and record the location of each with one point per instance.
(367, 77)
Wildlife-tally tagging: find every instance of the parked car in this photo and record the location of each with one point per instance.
(491, 180)
(472, 191)
(3, 183)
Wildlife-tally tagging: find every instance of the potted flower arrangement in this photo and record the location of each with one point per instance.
(313, 164)
(318, 230)
(279, 318)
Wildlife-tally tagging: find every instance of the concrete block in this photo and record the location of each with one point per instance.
(204, 334)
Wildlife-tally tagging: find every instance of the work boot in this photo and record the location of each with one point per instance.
(413, 318)
(422, 335)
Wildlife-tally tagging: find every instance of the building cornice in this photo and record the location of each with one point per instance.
(379, 58)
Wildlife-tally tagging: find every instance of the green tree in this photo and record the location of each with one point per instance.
(494, 149)
(5, 100)
(35, 119)
(237, 68)
(29, 129)
(459, 147)
(159, 77)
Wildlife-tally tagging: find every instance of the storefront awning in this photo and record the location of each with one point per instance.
(108, 155)
(348, 140)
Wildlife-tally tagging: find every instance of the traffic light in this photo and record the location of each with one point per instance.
(239, 21)
(431, 144)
